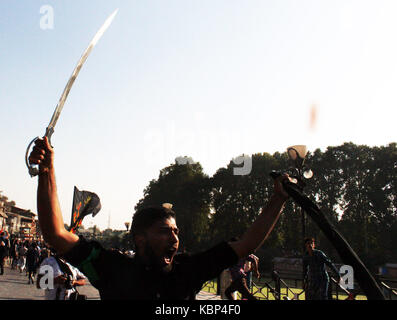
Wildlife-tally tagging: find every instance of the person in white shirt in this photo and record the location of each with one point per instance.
(64, 283)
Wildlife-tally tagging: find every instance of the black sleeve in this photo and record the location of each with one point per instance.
(81, 251)
(90, 258)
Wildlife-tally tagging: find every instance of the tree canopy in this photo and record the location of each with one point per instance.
(354, 185)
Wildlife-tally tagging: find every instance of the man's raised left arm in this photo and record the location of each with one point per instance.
(264, 224)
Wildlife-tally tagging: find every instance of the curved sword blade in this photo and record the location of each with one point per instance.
(58, 109)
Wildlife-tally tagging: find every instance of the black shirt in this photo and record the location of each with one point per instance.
(117, 276)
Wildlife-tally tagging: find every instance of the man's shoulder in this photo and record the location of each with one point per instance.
(84, 249)
(116, 255)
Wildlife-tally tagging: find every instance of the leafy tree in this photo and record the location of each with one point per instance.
(354, 185)
(186, 187)
(237, 200)
(357, 183)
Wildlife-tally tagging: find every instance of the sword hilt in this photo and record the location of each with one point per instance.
(33, 169)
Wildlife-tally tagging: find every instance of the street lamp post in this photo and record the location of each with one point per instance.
(297, 154)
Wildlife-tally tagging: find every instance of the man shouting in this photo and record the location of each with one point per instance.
(156, 271)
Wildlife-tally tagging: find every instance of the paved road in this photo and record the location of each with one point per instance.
(14, 286)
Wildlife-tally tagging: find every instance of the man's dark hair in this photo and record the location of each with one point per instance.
(145, 218)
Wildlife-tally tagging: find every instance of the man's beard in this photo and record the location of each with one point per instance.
(156, 262)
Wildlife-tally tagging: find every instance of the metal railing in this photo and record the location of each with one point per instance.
(287, 292)
(338, 289)
(262, 291)
(278, 289)
(211, 286)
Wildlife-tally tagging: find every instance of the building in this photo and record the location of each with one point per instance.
(21, 223)
(3, 216)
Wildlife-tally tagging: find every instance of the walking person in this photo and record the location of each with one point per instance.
(22, 250)
(239, 279)
(316, 279)
(249, 268)
(3, 256)
(5, 237)
(65, 278)
(32, 259)
(14, 253)
(44, 253)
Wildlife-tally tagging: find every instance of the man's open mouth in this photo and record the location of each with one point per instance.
(169, 254)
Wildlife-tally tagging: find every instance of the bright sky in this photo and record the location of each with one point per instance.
(210, 79)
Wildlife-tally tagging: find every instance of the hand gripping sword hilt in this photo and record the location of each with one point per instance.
(33, 169)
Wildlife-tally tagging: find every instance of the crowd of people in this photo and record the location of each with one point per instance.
(29, 257)
(22, 255)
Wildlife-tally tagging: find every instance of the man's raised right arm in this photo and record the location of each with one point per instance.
(48, 208)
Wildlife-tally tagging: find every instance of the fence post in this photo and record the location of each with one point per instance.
(277, 285)
(329, 293)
